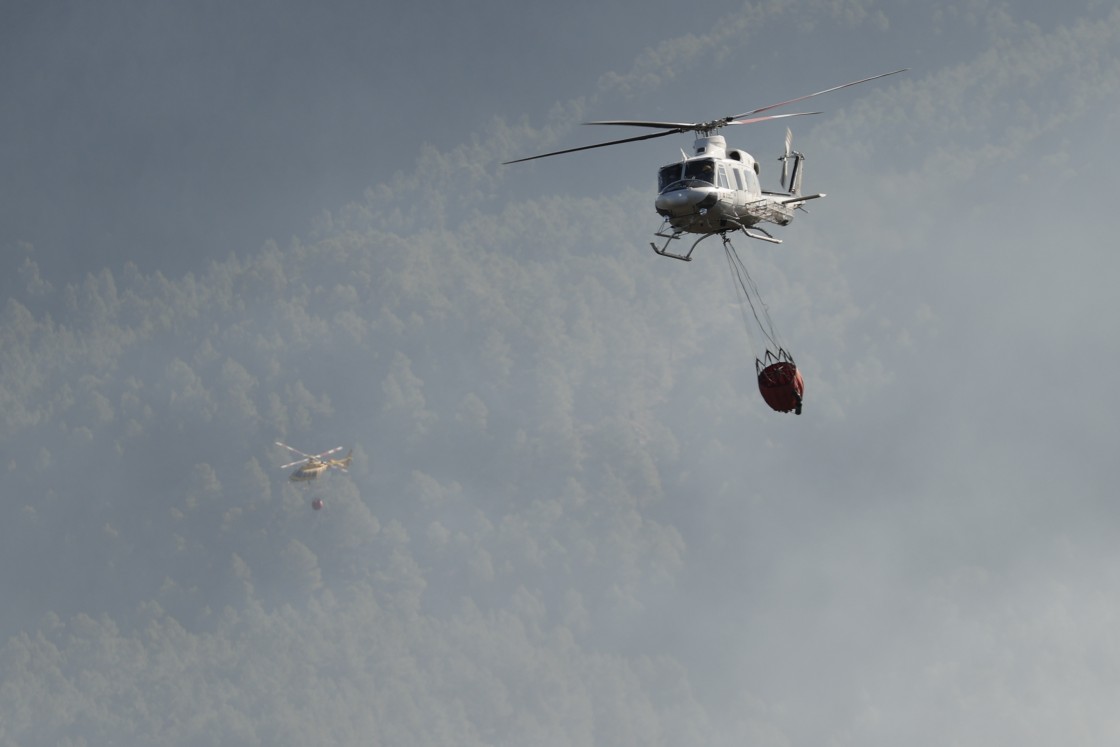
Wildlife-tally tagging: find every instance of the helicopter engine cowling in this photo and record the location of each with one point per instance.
(735, 154)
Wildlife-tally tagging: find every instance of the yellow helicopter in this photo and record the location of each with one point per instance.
(313, 465)
(716, 190)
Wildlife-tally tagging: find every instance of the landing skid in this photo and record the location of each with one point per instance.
(674, 234)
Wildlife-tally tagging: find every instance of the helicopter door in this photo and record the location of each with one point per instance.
(739, 186)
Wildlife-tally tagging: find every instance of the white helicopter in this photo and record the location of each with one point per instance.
(716, 189)
(313, 465)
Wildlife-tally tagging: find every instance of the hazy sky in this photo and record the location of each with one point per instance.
(926, 556)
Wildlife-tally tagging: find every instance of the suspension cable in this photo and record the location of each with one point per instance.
(746, 288)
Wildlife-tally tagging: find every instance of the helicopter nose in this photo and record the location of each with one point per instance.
(682, 201)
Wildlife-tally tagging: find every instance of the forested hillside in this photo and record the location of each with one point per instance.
(570, 518)
(506, 399)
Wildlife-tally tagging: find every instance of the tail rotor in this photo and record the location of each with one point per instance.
(785, 157)
(791, 174)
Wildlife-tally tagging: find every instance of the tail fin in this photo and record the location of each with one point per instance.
(795, 180)
(345, 461)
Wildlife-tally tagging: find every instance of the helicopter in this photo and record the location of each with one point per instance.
(716, 190)
(313, 465)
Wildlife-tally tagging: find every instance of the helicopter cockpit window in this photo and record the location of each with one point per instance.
(703, 170)
(667, 176)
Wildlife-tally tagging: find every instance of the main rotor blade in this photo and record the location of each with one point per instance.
(328, 453)
(597, 145)
(678, 126)
(671, 128)
(818, 93)
(292, 464)
(752, 120)
(297, 451)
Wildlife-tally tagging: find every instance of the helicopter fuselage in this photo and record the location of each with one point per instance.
(717, 190)
(316, 465)
(309, 471)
